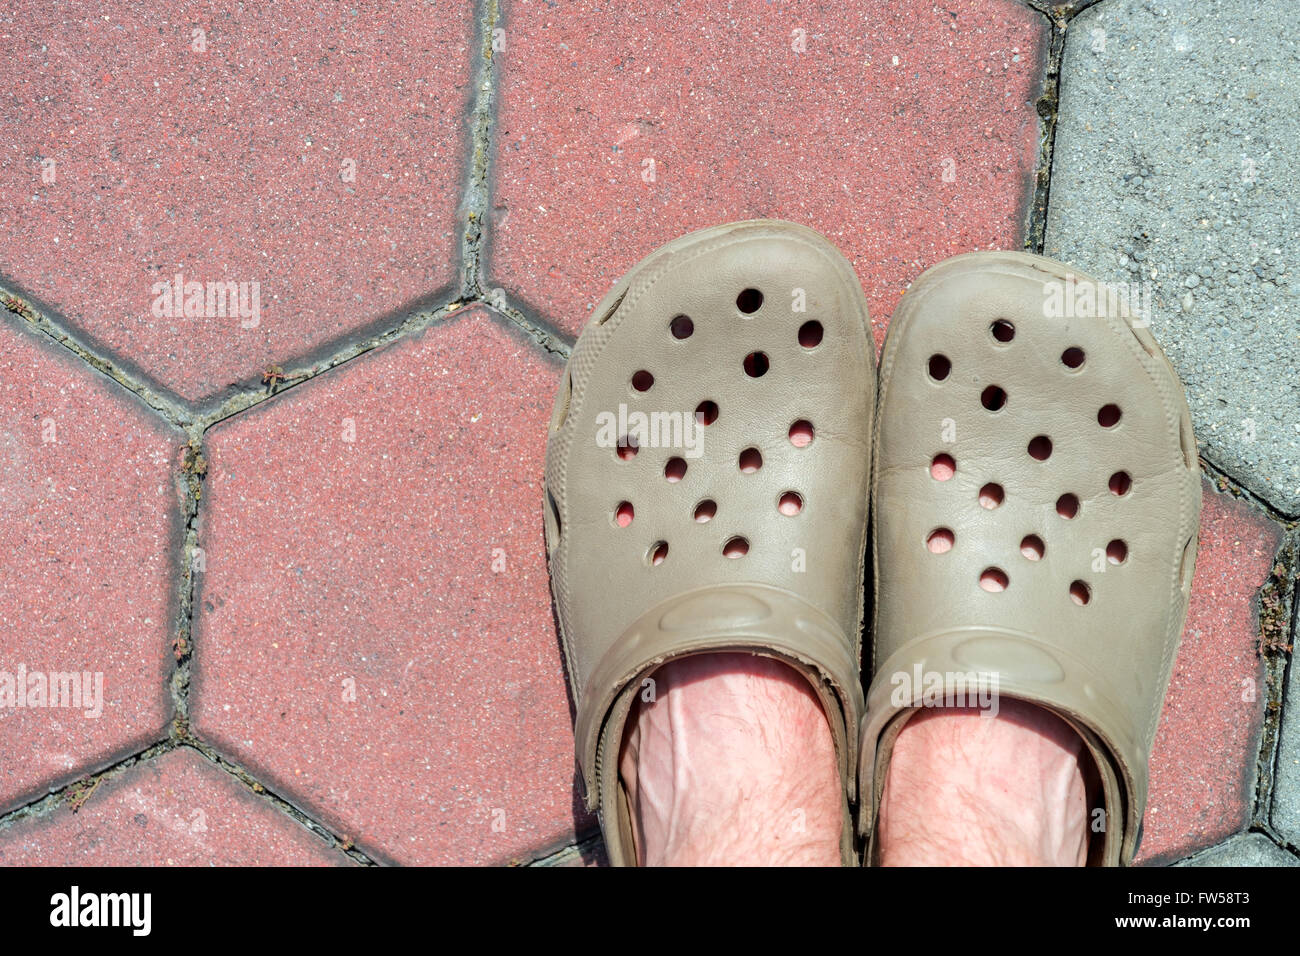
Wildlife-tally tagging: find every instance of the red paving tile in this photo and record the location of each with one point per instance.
(174, 810)
(90, 524)
(227, 165)
(852, 137)
(341, 569)
(1203, 768)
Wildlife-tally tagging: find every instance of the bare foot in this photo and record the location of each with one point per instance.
(968, 789)
(732, 764)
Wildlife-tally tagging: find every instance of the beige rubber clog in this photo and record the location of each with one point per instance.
(1050, 400)
(761, 328)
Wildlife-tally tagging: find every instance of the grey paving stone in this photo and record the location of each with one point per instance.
(1175, 162)
(1286, 782)
(587, 853)
(1245, 849)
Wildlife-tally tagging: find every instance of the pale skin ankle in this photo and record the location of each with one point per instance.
(966, 789)
(732, 764)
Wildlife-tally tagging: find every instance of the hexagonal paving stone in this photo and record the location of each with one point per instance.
(1203, 768)
(1245, 849)
(580, 855)
(90, 527)
(905, 131)
(314, 150)
(1286, 784)
(174, 810)
(1174, 175)
(374, 635)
